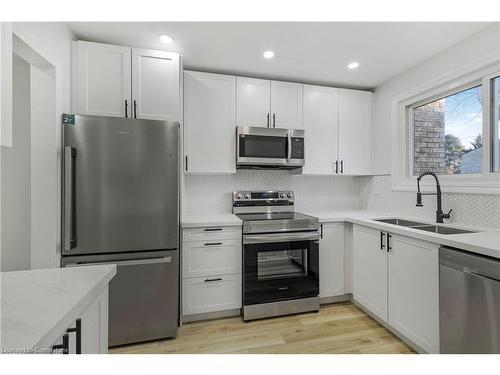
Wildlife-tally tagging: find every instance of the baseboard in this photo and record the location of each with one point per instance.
(396, 333)
(211, 315)
(334, 299)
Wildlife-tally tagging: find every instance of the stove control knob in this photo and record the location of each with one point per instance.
(289, 195)
(282, 195)
(247, 196)
(238, 196)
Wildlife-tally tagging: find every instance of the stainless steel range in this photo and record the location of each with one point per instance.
(280, 255)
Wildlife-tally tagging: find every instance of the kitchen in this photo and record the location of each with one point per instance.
(263, 202)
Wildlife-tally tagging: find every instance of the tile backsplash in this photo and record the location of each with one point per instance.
(212, 194)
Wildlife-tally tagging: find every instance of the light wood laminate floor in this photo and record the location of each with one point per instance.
(337, 328)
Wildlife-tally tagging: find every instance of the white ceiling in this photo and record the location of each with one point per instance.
(311, 52)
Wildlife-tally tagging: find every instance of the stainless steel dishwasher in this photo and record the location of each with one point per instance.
(469, 302)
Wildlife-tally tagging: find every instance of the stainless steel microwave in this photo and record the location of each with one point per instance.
(266, 148)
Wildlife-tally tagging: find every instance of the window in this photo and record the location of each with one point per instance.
(447, 134)
(495, 123)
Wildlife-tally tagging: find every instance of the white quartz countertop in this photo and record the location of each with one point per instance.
(486, 241)
(37, 306)
(204, 220)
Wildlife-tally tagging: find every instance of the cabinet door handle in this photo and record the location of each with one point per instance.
(274, 120)
(186, 163)
(135, 109)
(341, 166)
(336, 166)
(64, 346)
(389, 248)
(126, 108)
(210, 280)
(213, 244)
(268, 120)
(382, 246)
(321, 231)
(212, 229)
(78, 331)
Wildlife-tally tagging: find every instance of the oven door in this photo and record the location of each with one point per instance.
(280, 267)
(262, 147)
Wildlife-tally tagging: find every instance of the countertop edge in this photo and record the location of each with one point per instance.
(51, 336)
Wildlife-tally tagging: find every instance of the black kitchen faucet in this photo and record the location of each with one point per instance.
(439, 212)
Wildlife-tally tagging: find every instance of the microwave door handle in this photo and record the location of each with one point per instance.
(289, 153)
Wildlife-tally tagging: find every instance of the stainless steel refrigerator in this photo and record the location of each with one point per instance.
(121, 205)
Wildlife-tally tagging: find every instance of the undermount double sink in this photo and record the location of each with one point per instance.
(424, 226)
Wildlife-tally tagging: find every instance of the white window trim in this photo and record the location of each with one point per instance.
(478, 72)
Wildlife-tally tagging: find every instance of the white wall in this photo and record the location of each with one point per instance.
(15, 169)
(466, 52)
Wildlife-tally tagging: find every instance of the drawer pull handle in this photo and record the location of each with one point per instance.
(213, 244)
(212, 229)
(210, 280)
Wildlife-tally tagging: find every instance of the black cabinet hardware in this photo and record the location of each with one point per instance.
(78, 331)
(274, 120)
(210, 280)
(212, 229)
(135, 109)
(213, 244)
(389, 248)
(268, 120)
(321, 231)
(64, 346)
(341, 166)
(186, 163)
(336, 166)
(382, 246)
(126, 108)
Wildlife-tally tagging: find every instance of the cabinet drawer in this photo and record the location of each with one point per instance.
(211, 233)
(209, 294)
(211, 258)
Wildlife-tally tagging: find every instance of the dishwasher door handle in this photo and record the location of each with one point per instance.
(475, 273)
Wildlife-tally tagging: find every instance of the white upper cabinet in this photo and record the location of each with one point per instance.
(155, 84)
(126, 82)
(321, 131)
(355, 126)
(253, 103)
(209, 122)
(369, 265)
(104, 79)
(286, 105)
(331, 260)
(414, 291)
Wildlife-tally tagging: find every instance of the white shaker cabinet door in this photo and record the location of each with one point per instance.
(414, 291)
(253, 102)
(155, 85)
(331, 260)
(321, 128)
(104, 79)
(286, 105)
(355, 127)
(370, 270)
(209, 122)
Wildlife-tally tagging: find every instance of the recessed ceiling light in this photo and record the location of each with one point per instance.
(268, 54)
(353, 65)
(165, 38)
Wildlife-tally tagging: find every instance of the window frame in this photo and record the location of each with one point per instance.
(486, 182)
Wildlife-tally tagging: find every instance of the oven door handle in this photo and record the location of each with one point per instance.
(280, 237)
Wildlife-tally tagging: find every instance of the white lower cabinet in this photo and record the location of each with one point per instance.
(414, 291)
(211, 293)
(211, 269)
(331, 260)
(94, 328)
(396, 278)
(369, 270)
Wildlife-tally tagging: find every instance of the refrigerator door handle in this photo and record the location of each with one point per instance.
(132, 262)
(70, 241)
